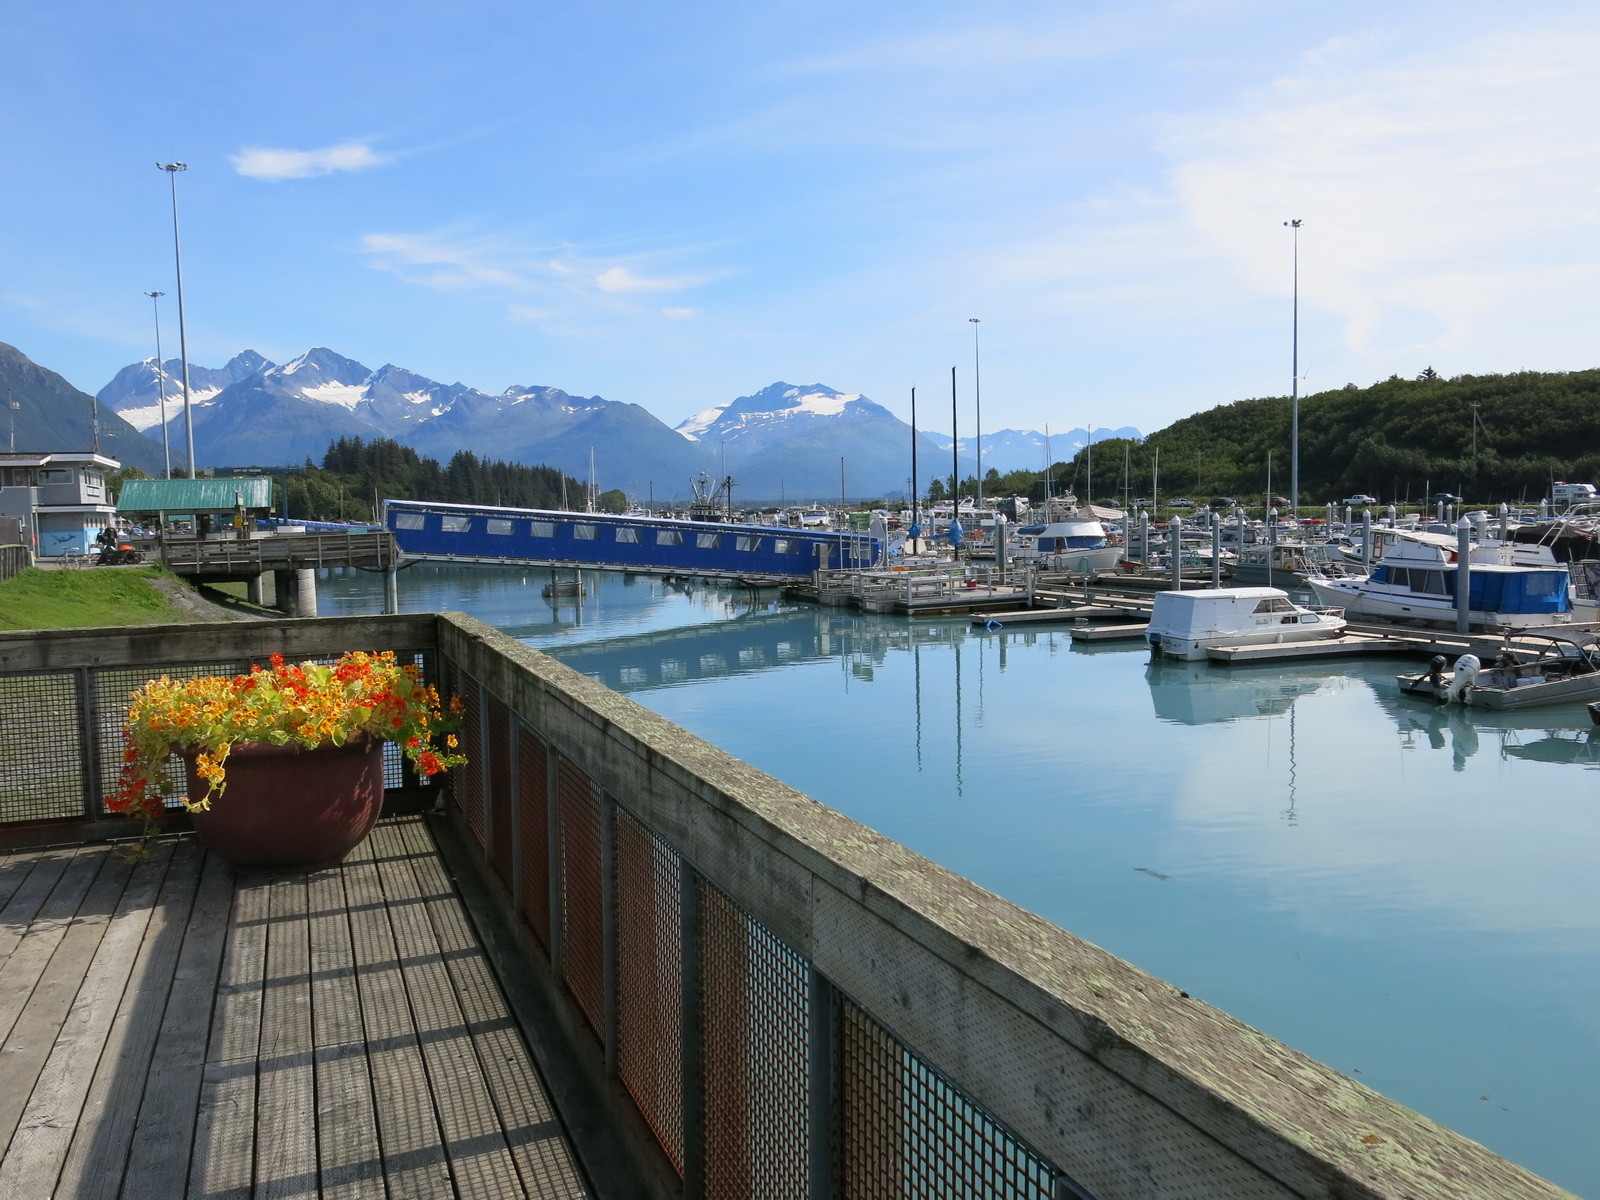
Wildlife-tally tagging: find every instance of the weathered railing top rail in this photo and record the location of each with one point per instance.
(280, 552)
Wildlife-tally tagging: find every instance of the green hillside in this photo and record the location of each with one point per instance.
(1398, 440)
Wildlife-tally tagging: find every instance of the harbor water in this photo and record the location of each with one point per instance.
(1403, 891)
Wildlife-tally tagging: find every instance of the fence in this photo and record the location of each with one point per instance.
(13, 558)
(785, 1004)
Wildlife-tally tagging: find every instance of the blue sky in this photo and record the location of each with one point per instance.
(677, 204)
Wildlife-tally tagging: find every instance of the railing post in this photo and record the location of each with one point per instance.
(552, 818)
(514, 807)
(608, 925)
(88, 740)
(823, 1002)
(694, 1101)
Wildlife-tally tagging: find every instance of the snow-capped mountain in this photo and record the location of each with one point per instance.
(788, 440)
(255, 412)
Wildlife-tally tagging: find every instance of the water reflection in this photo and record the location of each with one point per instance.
(1198, 693)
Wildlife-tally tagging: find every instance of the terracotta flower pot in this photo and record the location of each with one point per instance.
(289, 807)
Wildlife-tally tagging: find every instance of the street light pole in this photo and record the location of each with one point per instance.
(172, 170)
(1294, 420)
(161, 381)
(977, 405)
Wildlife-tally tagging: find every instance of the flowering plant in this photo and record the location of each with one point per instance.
(361, 695)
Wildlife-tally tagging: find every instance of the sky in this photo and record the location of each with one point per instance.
(675, 205)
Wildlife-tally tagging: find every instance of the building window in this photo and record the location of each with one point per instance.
(410, 520)
(500, 525)
(455, 524)
(708, 541)
(748, 543)
(585, 533)
(627, 533)
(541, 529)
(668, 537)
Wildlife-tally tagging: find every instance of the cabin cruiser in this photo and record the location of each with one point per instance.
(1564, 667)
(1287, 564)
(1188, 624)
(1070, 539)
(1416, 581)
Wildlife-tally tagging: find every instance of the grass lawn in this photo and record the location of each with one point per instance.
(36, 599)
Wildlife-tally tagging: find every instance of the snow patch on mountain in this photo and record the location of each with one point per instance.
(345, 395)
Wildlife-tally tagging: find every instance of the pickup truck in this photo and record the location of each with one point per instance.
(1358, 500)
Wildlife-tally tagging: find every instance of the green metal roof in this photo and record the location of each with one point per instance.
(194, 495)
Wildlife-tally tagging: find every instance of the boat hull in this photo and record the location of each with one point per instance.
(1528, 695)
(1194, 649)
(1410, 607)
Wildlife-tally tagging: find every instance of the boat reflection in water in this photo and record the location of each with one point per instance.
(1199, 693)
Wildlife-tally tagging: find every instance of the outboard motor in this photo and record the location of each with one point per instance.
(1466, 675)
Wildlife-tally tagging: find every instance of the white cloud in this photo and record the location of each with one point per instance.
(680, 314)
(260, 163)
(1447, 199)
(622, 279)
(449, 263)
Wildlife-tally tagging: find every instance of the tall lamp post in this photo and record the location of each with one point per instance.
(172, 170)
(161, 381)
(1294, 383)
(977, 406)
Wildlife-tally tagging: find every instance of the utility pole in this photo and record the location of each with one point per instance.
(1294, 383)
(172, 170)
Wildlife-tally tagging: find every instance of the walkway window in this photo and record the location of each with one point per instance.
(748, 543)
(785, 546)
(668, 537)
(455, 524)
(708, 541)
(585, 533)
(627, 533)
(541, 529)
(410, 520)
(500, 526)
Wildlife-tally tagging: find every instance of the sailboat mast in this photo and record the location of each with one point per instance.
(914, 456)
(955, 450)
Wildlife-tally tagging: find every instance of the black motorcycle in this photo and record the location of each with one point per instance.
(121, 555)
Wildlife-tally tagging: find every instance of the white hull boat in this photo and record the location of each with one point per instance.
(1565, 670)
(1188, 625)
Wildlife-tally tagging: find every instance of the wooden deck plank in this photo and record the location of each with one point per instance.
(286, 1130)
(28, 1045)
(537, 1138)
(349, 1161)
(158, 1162)
(33, 1160)
(223, 1159)
(479, 1155)
(100, 1143)
(39, 937)
(408, 1129)
(33, 888)
(15, 867)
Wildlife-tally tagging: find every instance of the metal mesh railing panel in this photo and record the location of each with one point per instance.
(468, 786)
(533, 819)
(907, 1132)
(582, 922)
(755, 1019)
(499, 790)
(41, 748)
(650, 980)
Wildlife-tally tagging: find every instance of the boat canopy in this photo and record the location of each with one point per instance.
(1191, 614)
(1492, 588)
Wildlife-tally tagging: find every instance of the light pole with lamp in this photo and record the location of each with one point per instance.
(1294, 383)
(161, 382)
(172, 170)
(977, 406)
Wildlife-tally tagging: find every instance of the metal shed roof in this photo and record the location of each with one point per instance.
(194, 495)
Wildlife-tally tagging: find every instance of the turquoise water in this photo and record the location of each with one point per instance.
(1404, 892)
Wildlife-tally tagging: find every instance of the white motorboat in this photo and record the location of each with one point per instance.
(1072, 540)
(1565, 668)
(1416, 581)
(1287, 564)
(1188, 624)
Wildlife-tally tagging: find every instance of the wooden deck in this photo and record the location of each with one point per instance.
(168, 1029)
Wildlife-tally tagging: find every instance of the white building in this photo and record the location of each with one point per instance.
(60, 498)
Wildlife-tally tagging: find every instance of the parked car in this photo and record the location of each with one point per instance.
(1446, 498)
(1359, 499)
(1180, 502)
(1224, 502)
(1278, 501)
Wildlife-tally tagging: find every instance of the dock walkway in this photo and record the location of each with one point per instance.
(169, 1029)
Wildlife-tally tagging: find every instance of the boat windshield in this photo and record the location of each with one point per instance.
(1274, 604)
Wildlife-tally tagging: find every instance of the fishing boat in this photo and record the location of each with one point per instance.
(1287, 564)
(1070, 539)
(1188, 624)
(1564, 668)
(1416, 581)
